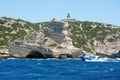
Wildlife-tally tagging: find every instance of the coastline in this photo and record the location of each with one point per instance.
(4, 53)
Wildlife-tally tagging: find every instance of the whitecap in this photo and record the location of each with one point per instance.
(97, 59)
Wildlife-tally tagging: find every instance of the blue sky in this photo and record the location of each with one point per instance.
(105, 11)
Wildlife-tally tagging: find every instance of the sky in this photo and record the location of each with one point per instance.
(105, 11)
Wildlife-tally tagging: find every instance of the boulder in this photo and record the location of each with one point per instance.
(113, 55)
(117, 55)
(64, 56)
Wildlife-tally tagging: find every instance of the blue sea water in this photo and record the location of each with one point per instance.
(55, 69)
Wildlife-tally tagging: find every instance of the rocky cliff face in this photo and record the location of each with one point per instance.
(92, 37)
(98, 38)
(54, 38)
(14, 29)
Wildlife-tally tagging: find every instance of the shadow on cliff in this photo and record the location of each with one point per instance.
(35, 54)
(39, 55)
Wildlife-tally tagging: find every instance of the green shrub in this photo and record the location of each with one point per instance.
(111, 39)
(52, 45)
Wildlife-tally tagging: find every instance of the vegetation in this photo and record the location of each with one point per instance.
(52, 45)
(14, 30)
(83, 33)
(45, 24)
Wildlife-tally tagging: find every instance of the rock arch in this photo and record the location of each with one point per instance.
(35, 54)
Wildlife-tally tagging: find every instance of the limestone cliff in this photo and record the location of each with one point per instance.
(91, 37)
(55, 40)
(97, 38)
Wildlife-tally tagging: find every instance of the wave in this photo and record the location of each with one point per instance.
(97, 59)
(87, 59)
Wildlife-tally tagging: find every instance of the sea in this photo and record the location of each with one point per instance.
(60, 69)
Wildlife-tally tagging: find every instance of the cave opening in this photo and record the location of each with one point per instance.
(35, 54)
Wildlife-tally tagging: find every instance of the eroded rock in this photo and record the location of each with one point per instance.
(50, 42)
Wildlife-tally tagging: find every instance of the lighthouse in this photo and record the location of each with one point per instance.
(69, 19)
(68, 16)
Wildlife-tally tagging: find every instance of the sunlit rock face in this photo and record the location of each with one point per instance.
(56, 31)
(50, 42)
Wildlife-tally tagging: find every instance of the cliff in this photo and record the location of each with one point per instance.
(98, 38)
(93, 38)
(54, 41)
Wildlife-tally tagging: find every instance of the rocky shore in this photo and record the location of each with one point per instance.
(4, 53)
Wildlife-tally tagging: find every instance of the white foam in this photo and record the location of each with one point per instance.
(118, 58)
(97, 59)
(11, 58)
